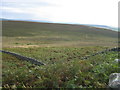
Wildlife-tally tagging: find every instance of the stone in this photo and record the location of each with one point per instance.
(114, 80)
(117, 60)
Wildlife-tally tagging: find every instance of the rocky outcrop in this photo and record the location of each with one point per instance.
(114, 81)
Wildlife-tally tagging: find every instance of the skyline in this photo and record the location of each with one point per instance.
(63, 11)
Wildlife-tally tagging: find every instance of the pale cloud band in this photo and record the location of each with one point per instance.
(101, 12)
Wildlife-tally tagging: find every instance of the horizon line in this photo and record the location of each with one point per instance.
(67, 23)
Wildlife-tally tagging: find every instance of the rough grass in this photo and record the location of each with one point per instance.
(43, 34)
(60, 47)
(50, 54)
(63, 68)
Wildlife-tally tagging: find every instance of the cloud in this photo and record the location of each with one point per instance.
(19, 1)
(10, 9)
(104, 12)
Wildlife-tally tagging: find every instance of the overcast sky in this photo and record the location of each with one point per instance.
(101, 12)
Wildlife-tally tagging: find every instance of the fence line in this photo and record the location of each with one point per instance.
(36, 62)
(33, 61)
(102, 52)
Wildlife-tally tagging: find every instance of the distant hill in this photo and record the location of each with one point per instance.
(92, 25)
(104, 26)
(37, 33)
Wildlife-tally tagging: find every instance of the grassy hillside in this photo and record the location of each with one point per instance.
(60, 47)
(27, 34)
(63, 68)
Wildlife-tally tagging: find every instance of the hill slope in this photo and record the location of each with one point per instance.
(17, 33)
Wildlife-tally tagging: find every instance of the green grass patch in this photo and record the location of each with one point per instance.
(63, 68)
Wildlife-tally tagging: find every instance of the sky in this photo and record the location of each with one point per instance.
(98, 12)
